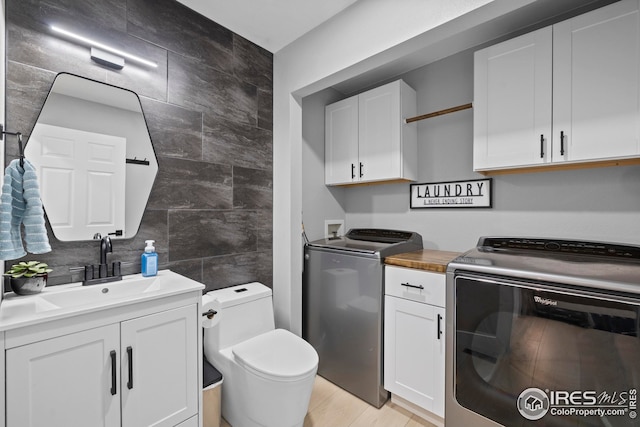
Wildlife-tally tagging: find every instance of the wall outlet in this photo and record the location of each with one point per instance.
(333, 228)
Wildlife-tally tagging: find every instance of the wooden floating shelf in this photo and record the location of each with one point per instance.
(364, 184)
(439, 113)
(562, 167)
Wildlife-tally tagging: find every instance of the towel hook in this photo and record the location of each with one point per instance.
(20, 146)
(20, 149)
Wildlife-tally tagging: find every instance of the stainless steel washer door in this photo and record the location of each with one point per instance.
(529, 353)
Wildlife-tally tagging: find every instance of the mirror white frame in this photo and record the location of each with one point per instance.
(94, 158)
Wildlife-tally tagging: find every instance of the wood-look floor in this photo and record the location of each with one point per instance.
(331, 406)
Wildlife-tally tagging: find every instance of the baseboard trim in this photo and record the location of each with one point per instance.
(415, 409)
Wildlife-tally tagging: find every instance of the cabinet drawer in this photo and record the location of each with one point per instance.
(417, 285)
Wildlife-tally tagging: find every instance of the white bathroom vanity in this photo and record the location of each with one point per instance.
(121, 354)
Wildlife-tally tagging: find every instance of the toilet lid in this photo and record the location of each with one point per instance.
(277, 355)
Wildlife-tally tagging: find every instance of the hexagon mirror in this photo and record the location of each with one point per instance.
(94, 158)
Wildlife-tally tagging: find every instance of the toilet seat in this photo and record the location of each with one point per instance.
(277, 355)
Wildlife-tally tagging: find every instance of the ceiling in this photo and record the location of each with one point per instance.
(271, 24)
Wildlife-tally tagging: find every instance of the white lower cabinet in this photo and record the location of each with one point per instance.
(65, 381)
(137, 372)
(414, 347)
(159, 369)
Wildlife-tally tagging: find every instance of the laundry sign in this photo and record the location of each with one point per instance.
(454, 194)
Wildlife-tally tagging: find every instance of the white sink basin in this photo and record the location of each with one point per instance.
(82, 295)
(63, 300)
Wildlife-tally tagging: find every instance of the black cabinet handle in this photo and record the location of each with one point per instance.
(562, 143)
(113, 372)
(541, 146)
(353, 171)
(361, 173)
(130, 357)
(439, 329)
(412, 286)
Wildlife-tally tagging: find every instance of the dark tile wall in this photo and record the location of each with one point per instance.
(208, 107)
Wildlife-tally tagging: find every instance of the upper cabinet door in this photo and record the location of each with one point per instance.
(341, 142)
(596, 101)
(388, 145)
(512, 102)
(379, 128)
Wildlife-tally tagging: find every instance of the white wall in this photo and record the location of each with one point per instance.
(596, 204)
(368, 36)
(319, 202)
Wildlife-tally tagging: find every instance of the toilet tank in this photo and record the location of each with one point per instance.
(245, 311)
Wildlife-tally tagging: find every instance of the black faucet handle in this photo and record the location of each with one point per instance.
(88, 272)
(116, 268)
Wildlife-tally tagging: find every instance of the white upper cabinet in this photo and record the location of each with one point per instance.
(596, 83)
(566, 93)
(367, 140)
(512, 102)
(341, 141)
(380, 123)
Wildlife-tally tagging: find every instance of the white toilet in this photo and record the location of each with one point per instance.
(268, 373)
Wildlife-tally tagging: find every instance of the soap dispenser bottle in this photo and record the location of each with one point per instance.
(149, 260)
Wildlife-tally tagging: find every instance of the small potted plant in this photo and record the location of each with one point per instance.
(28, 277)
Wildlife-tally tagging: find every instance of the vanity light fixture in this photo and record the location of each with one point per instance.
(103, 54)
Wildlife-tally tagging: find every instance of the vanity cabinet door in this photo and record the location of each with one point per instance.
(160, 368)
(66, 381)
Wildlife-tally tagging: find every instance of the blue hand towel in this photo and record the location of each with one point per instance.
(20, 204)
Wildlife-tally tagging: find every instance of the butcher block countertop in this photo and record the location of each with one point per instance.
(425, 259)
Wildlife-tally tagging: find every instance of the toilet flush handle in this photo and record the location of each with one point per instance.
(210, 313)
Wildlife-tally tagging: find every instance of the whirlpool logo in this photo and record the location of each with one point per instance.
(544, 301)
